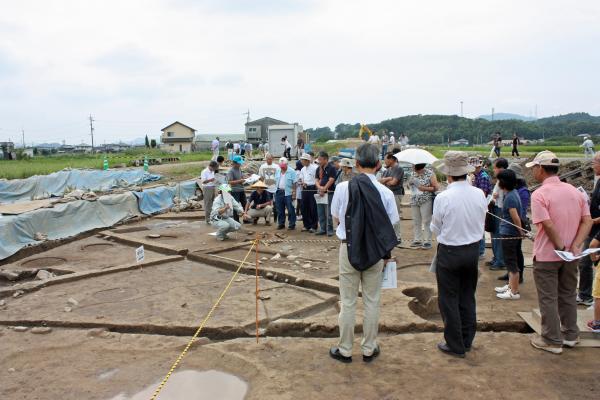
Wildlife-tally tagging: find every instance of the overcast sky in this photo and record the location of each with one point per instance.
(139, 65)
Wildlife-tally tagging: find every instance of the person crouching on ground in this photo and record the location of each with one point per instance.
(458, 221)
(221, 215)
(510, 234)
(260, 204)
(365, 209)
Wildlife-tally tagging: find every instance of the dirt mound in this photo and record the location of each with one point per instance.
(577, 173)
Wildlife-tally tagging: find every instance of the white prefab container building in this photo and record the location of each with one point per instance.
(278, 132)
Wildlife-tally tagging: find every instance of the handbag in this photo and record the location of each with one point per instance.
(491, 222)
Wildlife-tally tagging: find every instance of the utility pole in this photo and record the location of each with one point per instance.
(492, 113)
(247, 114)
(23, 137)
(92, 131)
(536, 111)
(461, 109)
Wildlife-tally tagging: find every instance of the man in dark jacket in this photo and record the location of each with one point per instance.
(366, 211)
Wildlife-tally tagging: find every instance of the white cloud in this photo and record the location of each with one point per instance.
(143, 64)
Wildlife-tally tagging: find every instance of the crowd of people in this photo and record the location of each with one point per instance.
(245, 149)
(352, 197)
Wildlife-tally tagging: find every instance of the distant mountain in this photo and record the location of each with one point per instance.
(572, 117)
(506, 116)
(138, 142)
(48, 145)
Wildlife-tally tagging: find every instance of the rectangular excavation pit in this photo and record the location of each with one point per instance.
(192, 235)
(91, 253)
(172, 297)
(313, 267)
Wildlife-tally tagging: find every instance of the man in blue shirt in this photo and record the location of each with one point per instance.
(325, 182)
(285, 179)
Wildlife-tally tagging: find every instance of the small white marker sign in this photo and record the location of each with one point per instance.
(139, 254)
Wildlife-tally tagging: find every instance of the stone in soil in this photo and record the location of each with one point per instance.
(43, 275)
(41, 330)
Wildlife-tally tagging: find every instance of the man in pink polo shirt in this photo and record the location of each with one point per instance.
(562, 218)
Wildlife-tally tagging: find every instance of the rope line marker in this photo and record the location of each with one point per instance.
(213, 308)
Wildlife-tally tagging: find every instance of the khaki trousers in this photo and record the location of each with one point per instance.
(350, 279)
(397, 229)
(209, 197)
(556, 284)
(263, 212)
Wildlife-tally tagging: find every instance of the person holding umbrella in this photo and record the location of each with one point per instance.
(423, 184)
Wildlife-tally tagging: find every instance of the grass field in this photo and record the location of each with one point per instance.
(45, 165)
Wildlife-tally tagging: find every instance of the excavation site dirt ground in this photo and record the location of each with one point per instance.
(100, 325)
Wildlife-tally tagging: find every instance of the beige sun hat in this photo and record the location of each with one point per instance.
(259, 184)
(455, 163)
(306, 156)
(346, 162)
(545, 157)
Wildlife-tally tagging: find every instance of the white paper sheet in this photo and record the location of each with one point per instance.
(252, 179)
(390, 279)
(321, 199)
(433, 266)
(568, 256)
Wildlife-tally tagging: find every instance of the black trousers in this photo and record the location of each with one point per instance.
(515, 151)
(309, 207)
(456, 274)
(241, 198)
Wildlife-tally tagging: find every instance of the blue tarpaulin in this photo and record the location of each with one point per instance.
(64, 220)
(152, 201)
(56, 184)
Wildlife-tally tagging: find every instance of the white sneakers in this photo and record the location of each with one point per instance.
(504, 293)
(570, 343)
(508, 295)
(502, 289)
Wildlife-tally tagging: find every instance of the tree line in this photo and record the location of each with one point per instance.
(441, 129)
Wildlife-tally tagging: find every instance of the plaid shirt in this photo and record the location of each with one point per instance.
(483, 182)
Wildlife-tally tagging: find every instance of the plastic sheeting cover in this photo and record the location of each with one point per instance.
(64, 220)
(57, 183)
(152, 201)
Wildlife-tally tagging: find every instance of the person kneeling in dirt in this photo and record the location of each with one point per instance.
(260, 204)
(221, 215)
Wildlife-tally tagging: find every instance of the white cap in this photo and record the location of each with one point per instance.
(283, 160)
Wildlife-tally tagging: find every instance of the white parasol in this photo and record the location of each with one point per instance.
(415, 156)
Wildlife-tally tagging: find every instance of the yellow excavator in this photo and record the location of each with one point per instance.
(362, 130)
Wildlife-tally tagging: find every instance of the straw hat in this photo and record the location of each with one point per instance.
(455, 163)
(259, 184)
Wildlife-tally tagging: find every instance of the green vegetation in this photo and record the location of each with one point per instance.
(44, 165)
(438, 129)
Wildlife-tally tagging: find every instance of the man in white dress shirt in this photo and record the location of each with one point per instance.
(458, 221)
(207, 180)
(309, 205)
(370, 278)
(214, 146)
